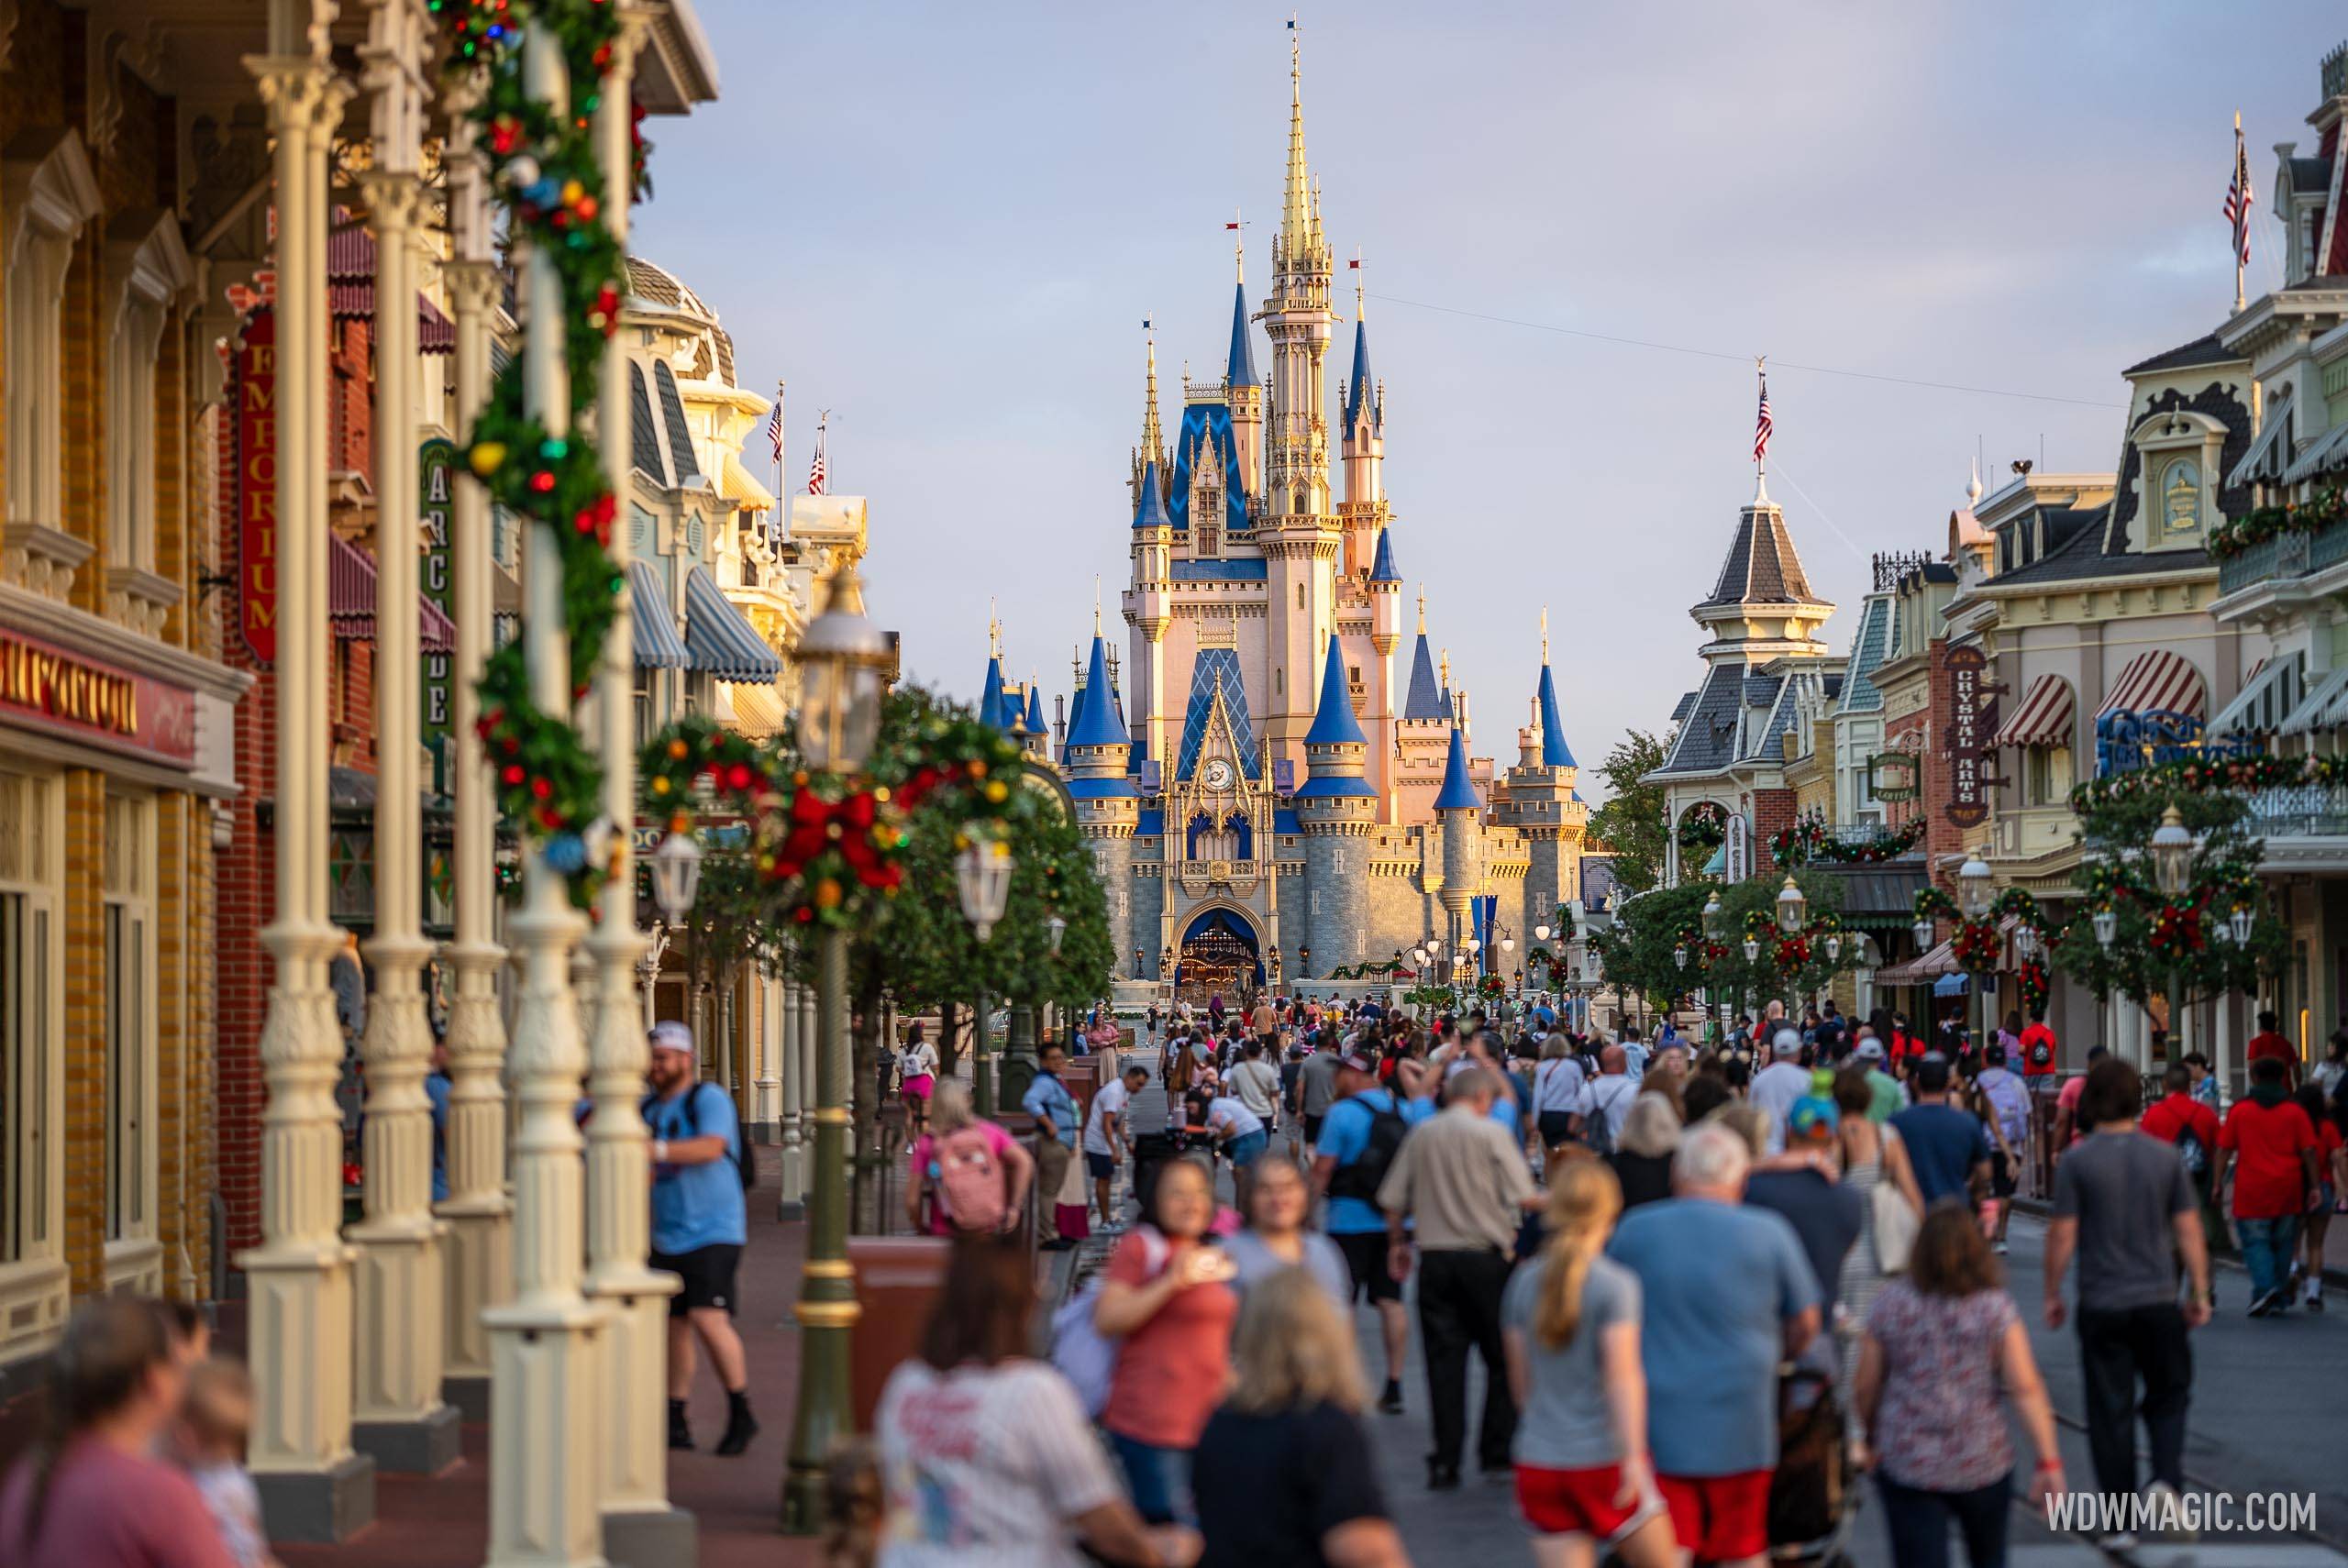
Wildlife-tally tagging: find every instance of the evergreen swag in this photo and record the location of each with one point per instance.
(1809, 840)
(1704, 829)
(549, 784)
(2236, 534)
(2205, 773)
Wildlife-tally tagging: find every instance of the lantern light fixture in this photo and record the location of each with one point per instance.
(1791, 906)
(2106, 921)
(843, 662)
(676, 876)
(1975, 887)
(2172, 853)
(982, 879)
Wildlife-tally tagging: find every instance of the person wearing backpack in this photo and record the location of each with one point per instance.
(1360, 1137)
(698, 1227)
(965, 1176)
(1605, 1101)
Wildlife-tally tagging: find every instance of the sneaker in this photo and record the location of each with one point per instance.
(2315, 1297)
(2119, 1541)
(2001, 1249)
(2263, 1305)
(1442, 1477)
(2167, 1510)
(1390, 1402)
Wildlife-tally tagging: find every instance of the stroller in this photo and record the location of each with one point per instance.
(1813, 1498)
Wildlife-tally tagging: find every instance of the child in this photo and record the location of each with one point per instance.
(214, 1420)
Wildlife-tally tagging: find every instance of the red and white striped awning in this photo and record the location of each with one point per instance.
(351, 599)
(2044, 717)
(2157, 682)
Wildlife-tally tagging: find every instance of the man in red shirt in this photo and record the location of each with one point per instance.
(2177, 1118)
(2275, 1147)
(2038, 1053)
(2271, 1043)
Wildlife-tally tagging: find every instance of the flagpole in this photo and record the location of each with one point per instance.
(2241, 224)
(781, 501)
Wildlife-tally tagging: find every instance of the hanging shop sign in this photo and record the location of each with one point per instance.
(437, 460)
(45, 687)
(257, 485)
(1972, 721)
(1892, 776)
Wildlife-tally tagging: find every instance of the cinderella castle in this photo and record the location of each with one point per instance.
(1270, 801)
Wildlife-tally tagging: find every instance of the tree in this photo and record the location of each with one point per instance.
(1632, 823)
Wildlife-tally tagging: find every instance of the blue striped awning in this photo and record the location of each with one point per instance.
(722, 643)
(657, 645)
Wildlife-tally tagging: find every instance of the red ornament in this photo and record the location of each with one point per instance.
(738, 777)
(542, 788)
(543, 480)
(513, 774)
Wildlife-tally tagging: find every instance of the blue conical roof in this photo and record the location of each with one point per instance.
(1554, 753)
(1423, 698)
(1458, 793)
(1359, 387)
(1097, 721)
(1382, 566)
(992, 708)
(1241, 368)
(1332, 722)
(1035, 710)
(1151, 513)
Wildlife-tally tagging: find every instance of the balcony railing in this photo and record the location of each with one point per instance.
(2300, 811)
(2283, 557)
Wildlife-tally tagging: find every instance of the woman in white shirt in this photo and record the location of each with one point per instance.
(916, 1076)
(985, 1455)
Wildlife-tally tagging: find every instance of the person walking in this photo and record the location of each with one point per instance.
(1570, 1324)
(2124, 1208)
(1557, 1089)
(1641, 1159)
(1284, 1472)
(1316, 1089)
(1106, 1138)
(1240, 1135)
(1364, 1133)
(1872, 1159)
(1166, 1300)
(2276, 1161)
(2190, 1126)
(1605, 1101)
(964, 1175)
(2006, 1099)
(93, 1493)
(1059, 1123)
(2329, 1163)
(1942, 1345)
(698, 1226)
(916, 1077)
(2271, 1045)
(1726, 1296)
(1280, 1202)
(1255, 1082)
(1947, 1145)
(1462, 1179)
(985, 1453)
(1779, 1084)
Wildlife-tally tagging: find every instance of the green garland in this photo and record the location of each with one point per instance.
(549, 784)
(2234, 536)
(2204, 774)
(1809, 841)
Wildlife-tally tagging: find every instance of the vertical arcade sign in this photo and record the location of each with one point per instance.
(437, 462)
(256, 518)
(1971, 722)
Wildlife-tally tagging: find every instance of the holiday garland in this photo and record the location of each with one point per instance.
(1704, 829)
(2232, 536)
(544, 163)
(1810, 840)
(1977, 945)
(2206, 773)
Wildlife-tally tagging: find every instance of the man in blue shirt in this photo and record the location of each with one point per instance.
(1058, 1122)
(1725, 1294)
(1352, 1157)
(698, 1227)
(1947, 1147)
(436, 1089)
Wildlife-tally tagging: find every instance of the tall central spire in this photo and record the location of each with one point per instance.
(1297, 218)
(1153, 434)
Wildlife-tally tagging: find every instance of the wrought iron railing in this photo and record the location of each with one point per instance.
(2299, 810)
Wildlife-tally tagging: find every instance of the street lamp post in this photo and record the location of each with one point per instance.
(1977, 895)
(843, 661)
(2172, 858)
(983, 884)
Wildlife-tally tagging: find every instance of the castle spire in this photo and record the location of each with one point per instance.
(1361, 390)
(1554, 753)
(1153, 434)
(1458, 792)
(1296, 199)
(1423, 609)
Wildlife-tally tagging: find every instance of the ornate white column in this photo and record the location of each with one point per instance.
(546, 1409)
(640, 1527)
(792, 1184)
(767, 1071)
(398, 1418)
(478, 1265)
(313, 1487)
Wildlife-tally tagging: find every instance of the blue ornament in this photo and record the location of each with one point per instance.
(566, 854)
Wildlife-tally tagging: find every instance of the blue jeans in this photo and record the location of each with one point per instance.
(2267, 1246)
(1158, 1478)
(1917, 1522)
(1247, 1149)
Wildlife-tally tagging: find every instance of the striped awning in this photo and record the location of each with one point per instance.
(2266, 698)
(2325, 453)
(758, 708)
(351, 599)
(2325, 706)
(2044, 716)
(1922, 970)
(722, 643)
(2157, 682)
(2271, 453)
(657, 644)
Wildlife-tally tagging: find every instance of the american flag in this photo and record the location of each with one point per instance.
(815, 468)
(774, 431)
(2240, 199)
(1762, 425)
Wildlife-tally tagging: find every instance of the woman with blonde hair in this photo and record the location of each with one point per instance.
(1570, 1320)
(955, 1135)
(1284, 1472)
(1642, 1150)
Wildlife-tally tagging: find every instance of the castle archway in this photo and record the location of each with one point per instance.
(1221, 955)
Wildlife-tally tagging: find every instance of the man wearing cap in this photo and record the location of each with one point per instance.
(1358, 1141)
(1779, 1084)
(698, 1229)
(1799, 1184)
(1891, 1099)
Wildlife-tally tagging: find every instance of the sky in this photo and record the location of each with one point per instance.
(946, 223)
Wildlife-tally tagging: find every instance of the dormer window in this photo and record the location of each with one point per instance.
(2177, 453)
(2181, 496)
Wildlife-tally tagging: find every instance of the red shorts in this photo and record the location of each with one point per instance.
(1721, 1519)
(1580, 1502)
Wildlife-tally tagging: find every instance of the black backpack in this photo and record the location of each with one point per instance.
(746, 1160)
(1367, 1173)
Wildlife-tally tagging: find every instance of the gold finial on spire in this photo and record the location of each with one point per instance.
(1238, 227)
(994, 632)
(1545, 634)
(1361, 288)
(1096, 604)
(1296, 199)
(1423, 609)
(1153, 434)
(1445, 666)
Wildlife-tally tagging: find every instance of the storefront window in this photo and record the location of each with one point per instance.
(130, 1020)
(30, 1027)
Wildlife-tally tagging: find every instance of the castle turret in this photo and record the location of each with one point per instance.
(1420, 734)
(1364, 446)
(1035, 735)
(1107, 810)
(1336, 808)
(1537, 799)
(1149, 603)
(1243, 390)
(1459, 811)
(1153, 448)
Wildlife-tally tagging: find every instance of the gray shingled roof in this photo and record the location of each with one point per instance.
(1760, 690)
(1707, 740)
(1687, 701)
(1762, 566)
(1859, 692)
(2201, 351)
(2081, 553)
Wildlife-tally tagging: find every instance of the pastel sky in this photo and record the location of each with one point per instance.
(945, 222)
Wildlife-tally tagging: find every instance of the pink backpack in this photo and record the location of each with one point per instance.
(969, 1180)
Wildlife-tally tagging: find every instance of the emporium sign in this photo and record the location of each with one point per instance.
(44, 687)
(256, 517)
(1972, 721)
